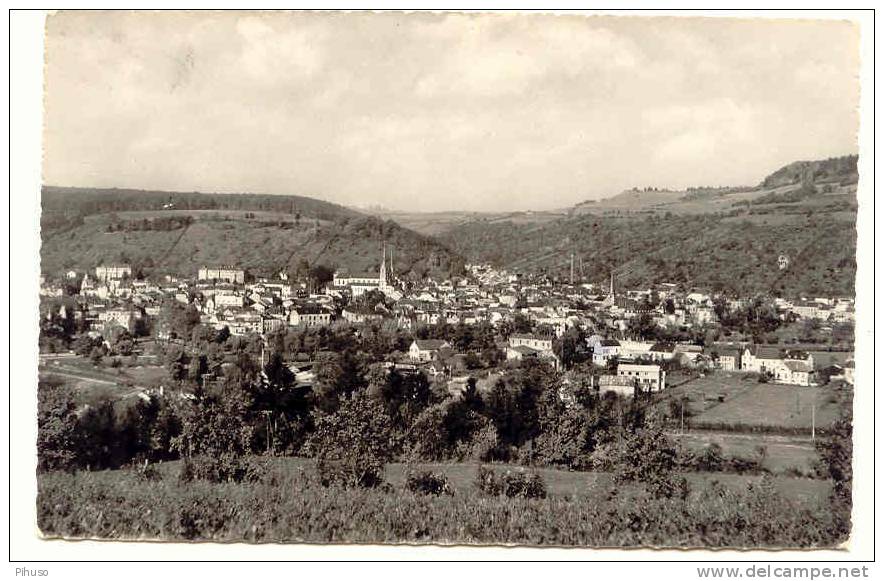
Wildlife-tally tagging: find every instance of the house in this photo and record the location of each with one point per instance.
(792, 372)
(223, 300)
(538, 343)
(121, 317)
(756, 358)
(662, 352)
(603, 350)
(728, 359)
(806, 309)
(426, 349)
(793, 368)
(622, 386)
(361, 316)
(521, 346)
(647, 377)
(308, 316)
(271, 324)
(521, 352)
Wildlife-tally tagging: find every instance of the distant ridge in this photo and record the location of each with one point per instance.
(88, 201)
(177, 232)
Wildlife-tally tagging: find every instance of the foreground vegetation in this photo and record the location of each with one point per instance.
(284, 505)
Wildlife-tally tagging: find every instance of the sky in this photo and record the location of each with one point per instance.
(433, 112)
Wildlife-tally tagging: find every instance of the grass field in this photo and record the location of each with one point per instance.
(96, 383)
(782, 453)
(738, 399)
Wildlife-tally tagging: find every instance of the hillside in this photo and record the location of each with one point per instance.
(436, 223)
(839, 170)
(813, 183)
(65, 206)
(251, 233)
(736, 254)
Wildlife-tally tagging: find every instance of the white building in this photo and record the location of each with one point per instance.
(359, 285)
(308, 316)
(222, 274)
(105, 273)
(648, 377)
(426, 349)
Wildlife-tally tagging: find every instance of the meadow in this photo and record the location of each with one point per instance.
(739, 400)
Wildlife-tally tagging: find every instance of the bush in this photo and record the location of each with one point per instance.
(487, 482)
(426, 482)
(511, 484)
(147, 472)
(350, 473)
(224, 468)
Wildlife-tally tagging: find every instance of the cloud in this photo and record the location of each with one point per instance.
(269, 53)
(500, 55)
(428, 111)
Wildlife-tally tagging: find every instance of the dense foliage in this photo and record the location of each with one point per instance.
(733, 255)
(295, 506)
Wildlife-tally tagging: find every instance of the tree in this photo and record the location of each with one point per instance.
(836, 456)
(216, 425)
(352, 445)
(320, 275)
(647, 456)
(58, 439)
(176, 364)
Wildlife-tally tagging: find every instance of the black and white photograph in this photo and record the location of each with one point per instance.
(456, 279)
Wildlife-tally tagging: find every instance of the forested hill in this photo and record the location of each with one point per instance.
(736, 254)
(835, 170)
(264, 234)
(60, 202)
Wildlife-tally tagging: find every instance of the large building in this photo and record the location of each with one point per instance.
(522, 346)
(222, 274)
(108, 272)
(790, 369)
(308, 316)
(632, 377)
(647, 377)
(359, 285)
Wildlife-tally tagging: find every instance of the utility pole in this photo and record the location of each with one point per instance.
(682, 416)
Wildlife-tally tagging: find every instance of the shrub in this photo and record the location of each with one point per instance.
(350, 473)
(147, 472)
(223, 468)
(426, 482)
(511, 484)
(487, 482)
(711, 458)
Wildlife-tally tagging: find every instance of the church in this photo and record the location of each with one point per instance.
(360, 285)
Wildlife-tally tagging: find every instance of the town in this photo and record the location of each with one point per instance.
(630, 337)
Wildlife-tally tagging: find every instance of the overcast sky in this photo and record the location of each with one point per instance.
(437, 112)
